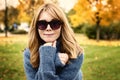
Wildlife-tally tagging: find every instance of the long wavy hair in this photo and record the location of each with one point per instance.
(68, 42)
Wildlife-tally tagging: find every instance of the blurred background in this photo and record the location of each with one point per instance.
(96, 24)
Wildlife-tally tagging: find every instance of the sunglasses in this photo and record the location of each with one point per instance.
(54, 24)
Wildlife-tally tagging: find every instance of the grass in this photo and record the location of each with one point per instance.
(101, 63)
(11, 58)
(101, 60)
(11, 62)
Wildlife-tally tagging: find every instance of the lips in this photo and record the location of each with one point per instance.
(48, 34)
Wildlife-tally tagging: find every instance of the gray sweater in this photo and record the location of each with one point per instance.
(51, 67)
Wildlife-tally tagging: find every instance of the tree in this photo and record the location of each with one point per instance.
(1, 16)
(99, 12)
(13, 15)
(8, 16)
(79, 14)
(26, 9)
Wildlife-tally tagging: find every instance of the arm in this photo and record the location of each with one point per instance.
(46, 70)
(70, 70)
(47, 65)
(29, 70)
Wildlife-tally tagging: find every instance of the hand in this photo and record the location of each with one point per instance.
(51, 44)
(63, 57)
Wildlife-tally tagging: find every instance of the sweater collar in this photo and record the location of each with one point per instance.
(58, 45)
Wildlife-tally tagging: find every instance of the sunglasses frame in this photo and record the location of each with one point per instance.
(54, 24)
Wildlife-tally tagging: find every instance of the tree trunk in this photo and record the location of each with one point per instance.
(6, 19)
(98, 19)
(98, 33)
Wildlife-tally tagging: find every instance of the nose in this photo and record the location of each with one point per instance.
(48, 28)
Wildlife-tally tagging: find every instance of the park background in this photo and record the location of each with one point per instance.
(96, 24)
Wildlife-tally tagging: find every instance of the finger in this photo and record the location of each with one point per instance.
(63, 60)
(66, 56)
(63, 57)
(54, 43)
(48, 44)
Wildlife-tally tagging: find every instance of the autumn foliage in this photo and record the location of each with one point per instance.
(84, 12)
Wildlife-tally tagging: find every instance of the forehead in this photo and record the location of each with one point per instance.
(45, 16)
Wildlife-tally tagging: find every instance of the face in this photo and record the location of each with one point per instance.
(48, 34)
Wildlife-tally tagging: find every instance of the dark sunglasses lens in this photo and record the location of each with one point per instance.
(55, 24)
(42, 25)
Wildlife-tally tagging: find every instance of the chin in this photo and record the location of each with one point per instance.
(49, 40)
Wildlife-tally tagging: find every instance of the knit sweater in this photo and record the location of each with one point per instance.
(51, 67)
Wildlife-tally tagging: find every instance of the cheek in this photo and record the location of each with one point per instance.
(58, 32)
(50, 38)
(40, 33)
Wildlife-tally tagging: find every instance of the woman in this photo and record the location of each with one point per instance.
(52, 53)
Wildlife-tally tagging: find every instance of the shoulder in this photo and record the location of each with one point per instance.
(81, 56)
(26, 53)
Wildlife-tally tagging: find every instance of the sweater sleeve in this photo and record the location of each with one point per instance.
(47, 66)
(72, 69)
(46, 70)
(29, 70)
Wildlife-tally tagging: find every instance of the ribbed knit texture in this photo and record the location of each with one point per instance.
(51, 67)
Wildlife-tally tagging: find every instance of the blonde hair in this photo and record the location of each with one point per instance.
(68, 45)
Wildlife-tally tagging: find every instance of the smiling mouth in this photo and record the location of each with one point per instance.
(48, 34)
